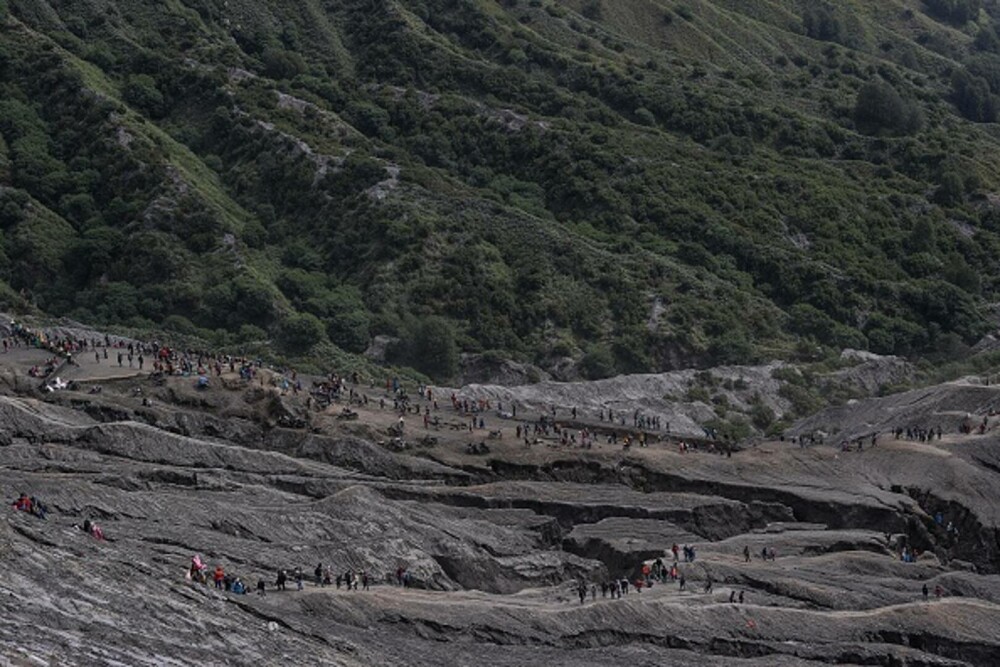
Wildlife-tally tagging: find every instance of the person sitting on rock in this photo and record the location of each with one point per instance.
(238, 588)
(38, 508)
(23, 503)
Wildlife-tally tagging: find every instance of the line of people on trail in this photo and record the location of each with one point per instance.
(766, 554)
(918, 434)
(199, 572)
(615, 588)
(639, 420)
(938, 592)
(323, 577)
(859, 442)
(658, 571)
(650, 574)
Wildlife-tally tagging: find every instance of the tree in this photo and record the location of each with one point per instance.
(592, 10)
(300, 332)
(880, 109)
(281, 64)
(986, 40)
(951, 192)
(598, 363)
(732, 347)
(973, 98)
(429, 346)
(955, 11)
(141, 91)
(821, 23)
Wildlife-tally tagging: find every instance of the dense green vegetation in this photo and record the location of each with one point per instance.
(637, 184)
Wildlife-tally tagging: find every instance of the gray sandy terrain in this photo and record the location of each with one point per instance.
(494, 543)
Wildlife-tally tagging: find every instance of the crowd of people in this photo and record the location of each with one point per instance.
(199, 572)
(655, 572)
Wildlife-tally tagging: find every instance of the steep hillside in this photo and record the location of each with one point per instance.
(637, 184)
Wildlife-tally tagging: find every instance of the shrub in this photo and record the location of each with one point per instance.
(141, 92)
(299, 333)
(281, 64)
(429, 346)
(761, 415)
(598, 363)
(973, 98)
(696, 394)
(951, 192)
(820, 22)
(644, 116)
(955, 11)
(880, 109)
(592, 9)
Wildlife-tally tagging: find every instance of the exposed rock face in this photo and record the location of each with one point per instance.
(872, 372)
(481, 369)
(492, 544)
(663, 395)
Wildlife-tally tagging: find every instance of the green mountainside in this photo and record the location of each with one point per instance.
(637, 184)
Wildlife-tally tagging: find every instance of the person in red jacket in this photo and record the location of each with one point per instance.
(219, 576)
(23, 503)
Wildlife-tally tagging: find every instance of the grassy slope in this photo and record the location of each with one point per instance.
(835, 215)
